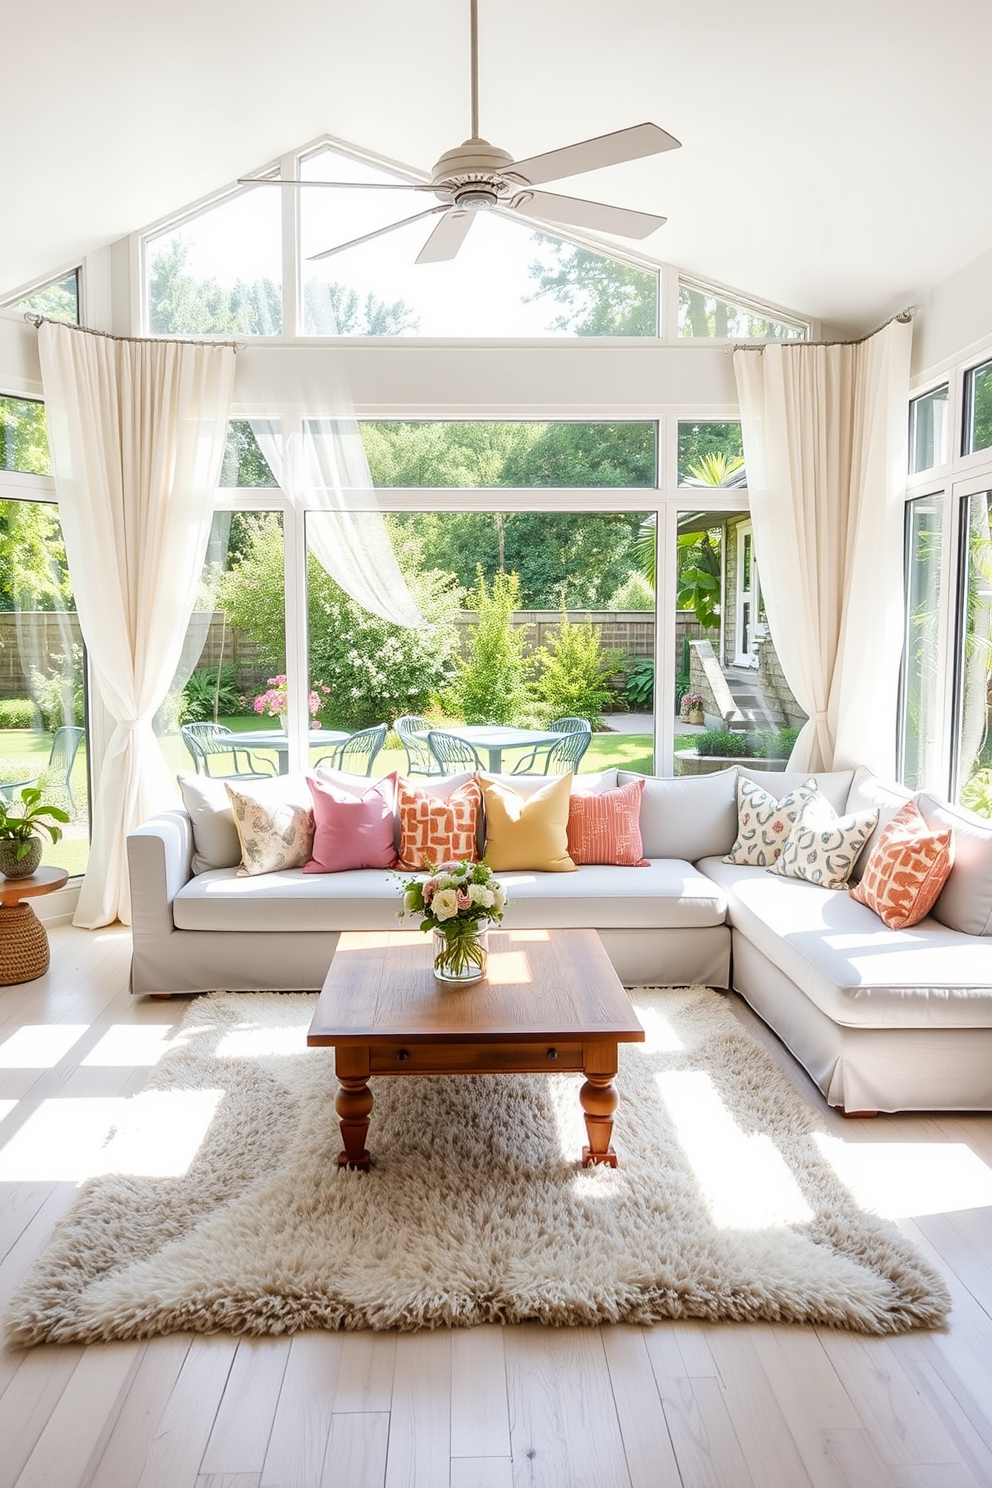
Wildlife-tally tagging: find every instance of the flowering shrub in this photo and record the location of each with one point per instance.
(275, 700)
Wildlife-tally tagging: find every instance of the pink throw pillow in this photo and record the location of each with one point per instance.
(605, 828)
(352, 831)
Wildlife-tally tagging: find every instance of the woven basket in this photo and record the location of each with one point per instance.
(23, 945)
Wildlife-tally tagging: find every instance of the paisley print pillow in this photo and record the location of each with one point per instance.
(274, 833)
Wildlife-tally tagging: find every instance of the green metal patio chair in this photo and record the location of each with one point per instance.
(62, 757)
(451, 752)
(208, 742)
(413, 731)
(357, 753)
(538, 761)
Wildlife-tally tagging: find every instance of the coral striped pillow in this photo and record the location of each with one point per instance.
(439, 829)
(605, 828)
(908, 867)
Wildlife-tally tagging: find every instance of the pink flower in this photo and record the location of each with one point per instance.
(464, 900)
(428, 890)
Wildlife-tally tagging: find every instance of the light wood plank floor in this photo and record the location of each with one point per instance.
(527, 1407)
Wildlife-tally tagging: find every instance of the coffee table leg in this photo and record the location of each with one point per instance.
(353, 1104)
(599, 1100)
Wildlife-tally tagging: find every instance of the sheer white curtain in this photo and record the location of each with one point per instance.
(137, 432)
(314, 464)
(825, 446)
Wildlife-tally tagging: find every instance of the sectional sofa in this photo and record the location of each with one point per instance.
(882, 1019)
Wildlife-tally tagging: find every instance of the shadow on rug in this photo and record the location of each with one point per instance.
(476, 1209)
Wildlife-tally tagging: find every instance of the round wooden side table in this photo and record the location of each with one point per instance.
(23, 940)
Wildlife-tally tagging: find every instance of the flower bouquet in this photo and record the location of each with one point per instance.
(457, 902)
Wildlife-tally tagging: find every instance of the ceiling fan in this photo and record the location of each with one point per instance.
(479, 177)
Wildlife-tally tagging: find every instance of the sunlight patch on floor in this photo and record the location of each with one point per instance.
(40, 1045)
(69, 1139)
(257, 1043)
(901, 1179)
(659, 1035)
(131, 1044)
(743, 1179)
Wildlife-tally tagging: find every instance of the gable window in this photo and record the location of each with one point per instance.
(506, 279)
(220, 271)
(57, 299)
(703, 312)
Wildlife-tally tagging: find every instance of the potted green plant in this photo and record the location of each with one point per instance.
(21, 821)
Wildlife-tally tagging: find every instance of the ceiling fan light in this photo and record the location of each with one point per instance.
(476, 199)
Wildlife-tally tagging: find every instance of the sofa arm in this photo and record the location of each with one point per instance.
(159, 857)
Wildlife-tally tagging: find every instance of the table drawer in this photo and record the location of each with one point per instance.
(478, 1059)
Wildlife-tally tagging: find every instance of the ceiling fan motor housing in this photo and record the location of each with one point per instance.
(473, 175)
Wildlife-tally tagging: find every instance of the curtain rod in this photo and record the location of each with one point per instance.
(39, 320)
(902, 318)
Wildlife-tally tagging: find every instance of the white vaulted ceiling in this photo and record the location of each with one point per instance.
(835, 160)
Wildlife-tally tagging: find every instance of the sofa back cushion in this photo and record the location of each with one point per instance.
(687, 816)
(834, 785)
(965, 902)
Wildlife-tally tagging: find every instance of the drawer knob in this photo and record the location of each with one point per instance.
(402, 1055)
(552, 1053)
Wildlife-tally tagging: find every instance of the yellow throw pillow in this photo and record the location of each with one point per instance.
(527, 832)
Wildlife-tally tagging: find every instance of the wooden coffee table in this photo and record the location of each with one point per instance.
(551, 1003)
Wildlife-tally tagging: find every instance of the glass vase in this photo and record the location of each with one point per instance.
(461, 954)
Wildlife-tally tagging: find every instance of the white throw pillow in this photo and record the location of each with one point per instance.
(276, 831)
(823, 847)
(215, 837)
(869, 792)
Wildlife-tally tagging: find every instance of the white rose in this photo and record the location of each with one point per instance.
(444, 905)
(499, 898)
(479, 894)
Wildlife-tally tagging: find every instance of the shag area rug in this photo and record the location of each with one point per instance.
(725, 1205)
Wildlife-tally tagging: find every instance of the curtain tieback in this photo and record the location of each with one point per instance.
(131, 724)
(818, 717)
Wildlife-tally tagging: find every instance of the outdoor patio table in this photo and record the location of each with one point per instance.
(279, 741)
(493, 739)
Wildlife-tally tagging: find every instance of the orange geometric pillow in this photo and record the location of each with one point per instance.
(908, 867)
(439, 829)
(605, 828)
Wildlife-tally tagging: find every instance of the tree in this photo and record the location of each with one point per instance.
(181, 304)
(33, 573)
(489, 686)
(601, 296)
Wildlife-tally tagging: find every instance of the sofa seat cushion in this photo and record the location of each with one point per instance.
(666, 894)
(851, 966)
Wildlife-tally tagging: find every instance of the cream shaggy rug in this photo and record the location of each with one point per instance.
(476, 1209)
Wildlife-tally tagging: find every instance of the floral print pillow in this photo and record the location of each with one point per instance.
(763, 824)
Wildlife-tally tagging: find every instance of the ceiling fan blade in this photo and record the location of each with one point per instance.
(380, 232)
(576, 212)
(446, 239)
(337, 185)
(593, 154)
